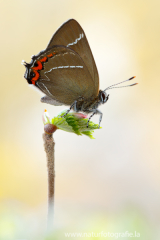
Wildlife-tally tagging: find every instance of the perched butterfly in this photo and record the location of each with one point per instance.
(66, 72)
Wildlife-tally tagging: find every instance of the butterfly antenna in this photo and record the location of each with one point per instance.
(113, 86)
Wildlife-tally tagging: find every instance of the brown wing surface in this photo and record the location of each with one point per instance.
(71, 35)
(65, 76)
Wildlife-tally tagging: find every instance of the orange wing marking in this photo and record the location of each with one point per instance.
(39, 67)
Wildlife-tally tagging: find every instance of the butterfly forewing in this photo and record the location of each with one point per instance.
(71, 35)
(65, 74)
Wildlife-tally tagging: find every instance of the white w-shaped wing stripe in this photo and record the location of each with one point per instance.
(63, 67)
(77, 39)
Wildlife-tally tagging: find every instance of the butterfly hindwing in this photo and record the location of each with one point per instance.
(65, 76)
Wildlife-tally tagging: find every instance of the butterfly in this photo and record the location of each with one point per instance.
(66, 72)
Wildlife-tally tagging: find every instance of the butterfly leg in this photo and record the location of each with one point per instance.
(100, 118)
(96, 111)
(90, 118)
(73, 105)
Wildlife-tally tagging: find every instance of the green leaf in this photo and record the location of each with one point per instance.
(74, 123)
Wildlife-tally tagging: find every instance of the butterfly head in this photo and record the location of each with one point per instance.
(103, 96)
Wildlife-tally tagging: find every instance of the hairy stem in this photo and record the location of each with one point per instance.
(49, 149)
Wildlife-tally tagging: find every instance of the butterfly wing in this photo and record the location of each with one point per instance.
(65, 77)
(71, 35)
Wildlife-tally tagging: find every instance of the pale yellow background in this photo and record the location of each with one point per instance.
(111, 183)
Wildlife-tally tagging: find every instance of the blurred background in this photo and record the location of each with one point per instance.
(112, 183)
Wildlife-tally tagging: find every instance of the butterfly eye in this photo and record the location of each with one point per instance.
(103, 96)
(32, 75)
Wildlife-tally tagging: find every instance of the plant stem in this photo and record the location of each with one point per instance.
(49, 149)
